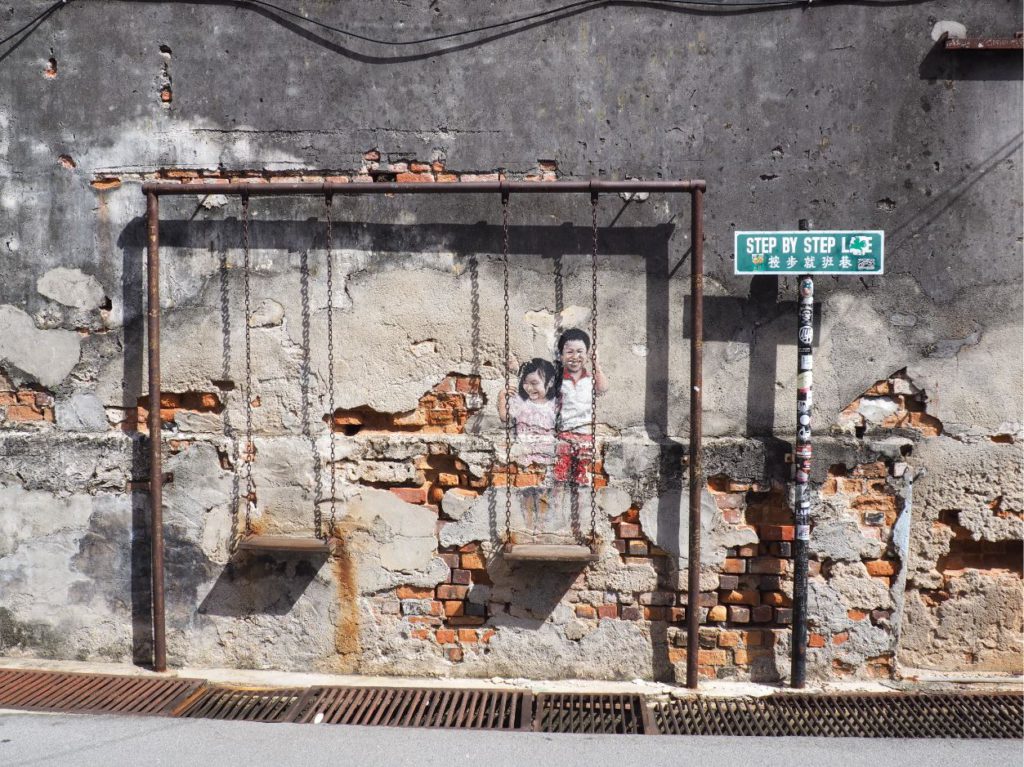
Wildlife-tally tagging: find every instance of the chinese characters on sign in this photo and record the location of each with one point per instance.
(814, 252)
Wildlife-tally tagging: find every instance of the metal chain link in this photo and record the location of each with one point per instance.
(306, 374)
(593, 371)
(250, 450)
(505, 394)
(230, 432)
(330, 364)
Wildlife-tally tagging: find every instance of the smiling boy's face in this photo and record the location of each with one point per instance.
(574, 357)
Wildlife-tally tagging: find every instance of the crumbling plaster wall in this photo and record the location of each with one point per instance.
(849, 116)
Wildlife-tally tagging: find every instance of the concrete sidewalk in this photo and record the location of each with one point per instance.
(108, 741)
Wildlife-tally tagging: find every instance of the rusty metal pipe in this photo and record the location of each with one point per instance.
(270, 188)
(155, 442)
(696, 433)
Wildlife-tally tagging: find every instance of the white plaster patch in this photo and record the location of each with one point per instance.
(877, 409)
(82, 411)
(953, 29)
(665, 519)
(543, 324)
(71, 287)
(269, 313)
(211, 201)
(45, 355)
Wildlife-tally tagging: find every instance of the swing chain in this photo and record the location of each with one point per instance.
(306, 386)
(330, 368)
(593, 371)
(507, 359)
(250, 451)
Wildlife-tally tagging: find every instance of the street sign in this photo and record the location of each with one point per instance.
(810, 252)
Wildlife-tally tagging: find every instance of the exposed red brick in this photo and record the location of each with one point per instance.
(637, 548)
(473, 561)
(815, 640)
(734, 566)
(405, 178)
(718, 613)
(739, 614)
(608, 611)
(777, 532)
(880, 567)
(752, 638)
(776, 599)
(466, 620)
(414, 592)
(773, 565)
(745, 597)
(728, 639)
(450, 559)
(445, 636)
(655, 613)
(585, 611)
(417, 495)
(628, 530)
(449, 591)
(712, 657)
(468, 636)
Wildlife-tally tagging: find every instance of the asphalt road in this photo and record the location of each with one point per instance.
(108, 741)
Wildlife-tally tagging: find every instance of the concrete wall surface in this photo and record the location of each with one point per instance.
(850, 115)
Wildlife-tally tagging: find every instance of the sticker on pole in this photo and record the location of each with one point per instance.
(820, 252)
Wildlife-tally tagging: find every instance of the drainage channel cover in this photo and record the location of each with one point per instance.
(580, 713)
(408, 707)
(247, 705)
(924, 715)
(92, 693)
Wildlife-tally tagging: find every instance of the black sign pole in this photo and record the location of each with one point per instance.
(802, 459)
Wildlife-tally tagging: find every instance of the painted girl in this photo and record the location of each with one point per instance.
(533, 409)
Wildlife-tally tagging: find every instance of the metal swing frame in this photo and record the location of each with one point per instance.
(154, 190)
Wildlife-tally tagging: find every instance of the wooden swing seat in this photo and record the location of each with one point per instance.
(284, 544)
(549, 552)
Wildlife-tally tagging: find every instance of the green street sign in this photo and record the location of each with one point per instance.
(815, 252)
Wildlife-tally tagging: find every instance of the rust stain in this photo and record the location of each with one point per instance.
(103, 183)
(346, 630)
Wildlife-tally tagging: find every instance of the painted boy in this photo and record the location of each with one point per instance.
(574, 450)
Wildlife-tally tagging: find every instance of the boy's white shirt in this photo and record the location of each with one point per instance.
(577, 402)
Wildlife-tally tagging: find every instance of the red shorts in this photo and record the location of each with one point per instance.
(574, 455)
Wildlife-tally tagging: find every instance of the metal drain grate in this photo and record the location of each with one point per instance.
(407, 707)
(929, 715)
(579, 713)
(93, 693)
(247, 705)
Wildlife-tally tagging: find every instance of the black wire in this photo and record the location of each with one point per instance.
(36, 20)
(580, 4)
(435, 38)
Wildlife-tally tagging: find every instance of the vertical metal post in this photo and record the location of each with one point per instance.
(802, 459)
(696, 429)
(155, 441)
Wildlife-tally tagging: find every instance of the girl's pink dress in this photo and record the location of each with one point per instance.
(535, 430)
